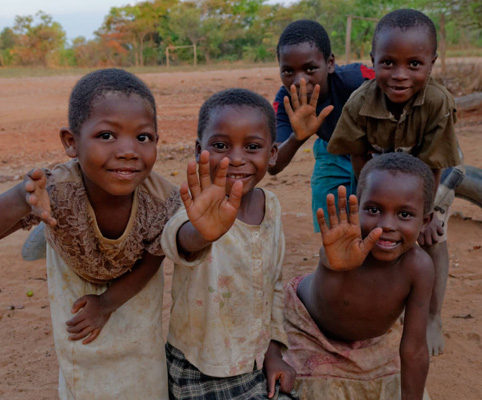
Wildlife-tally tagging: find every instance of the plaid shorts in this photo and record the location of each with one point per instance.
(187, 382)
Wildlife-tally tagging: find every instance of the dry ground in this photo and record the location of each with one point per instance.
(33, 109)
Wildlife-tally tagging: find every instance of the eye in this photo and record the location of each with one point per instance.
(311, 69)
(145, 138)
(415, 64)
(372, 210)
(219, 146)
(253, 146)
(387, 63)
(287, 72)
(405, 215)
(105, 136)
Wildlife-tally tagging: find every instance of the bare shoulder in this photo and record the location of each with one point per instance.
(418, 263)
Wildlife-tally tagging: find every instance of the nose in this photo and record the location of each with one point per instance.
(236, 157)
(400, 73)
(387, 222)
(126, 149)
(297, 79)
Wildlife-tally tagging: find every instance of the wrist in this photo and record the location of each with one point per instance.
(294, 138)
(107, 303)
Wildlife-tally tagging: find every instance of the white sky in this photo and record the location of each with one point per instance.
(77, 17)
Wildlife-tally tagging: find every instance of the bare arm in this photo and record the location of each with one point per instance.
(27, 197)
(413, 346)
(93, 311)
(286, 152)
(358, 162)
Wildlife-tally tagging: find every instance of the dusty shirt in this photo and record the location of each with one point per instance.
(425, 128)
(77, 237)
(228, 303)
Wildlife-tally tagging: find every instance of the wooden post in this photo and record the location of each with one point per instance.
(195, 54)
(167, 57)
(442, 42)
(348, 39)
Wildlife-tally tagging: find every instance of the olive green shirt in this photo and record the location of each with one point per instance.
(425, 128)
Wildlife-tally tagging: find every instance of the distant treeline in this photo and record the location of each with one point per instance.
(220, 30)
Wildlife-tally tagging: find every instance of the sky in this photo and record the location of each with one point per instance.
(78, 18)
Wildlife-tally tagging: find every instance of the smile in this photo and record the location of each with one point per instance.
(386, 244)
(124, 173)
(237, 176)
(399, 89)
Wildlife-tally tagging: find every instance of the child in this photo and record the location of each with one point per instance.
(228, 246)
(104, 212)
(405, 110)
(341, 319)
(312, 86)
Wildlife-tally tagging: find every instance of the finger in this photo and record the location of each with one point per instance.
(29, 185)
(78, 304)
(221, 172)
(320, 215)
(440, 230)
(271, 379)
(314, 96)
(288, 109)
(93, 335)
(294, 97)
(324, 113)
(303, 95)
(353, 210)
(51, 221)
(76, 320)
(236, 194)
(204, 173)
(330, 205)
(342, 203)
(185, 196)
(369, 242)
(193, 179)
(82, 334)
(78, 328)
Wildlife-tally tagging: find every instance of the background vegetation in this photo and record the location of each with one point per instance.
(222, 30)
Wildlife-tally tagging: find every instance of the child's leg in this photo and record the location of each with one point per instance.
(440, 257)
(329, 172)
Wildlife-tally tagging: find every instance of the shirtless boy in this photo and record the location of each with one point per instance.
(343, 336)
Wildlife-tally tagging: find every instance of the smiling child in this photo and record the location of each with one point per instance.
(405, 110)
(341, 320)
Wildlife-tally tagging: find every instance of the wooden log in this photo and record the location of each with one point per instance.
(470, 102)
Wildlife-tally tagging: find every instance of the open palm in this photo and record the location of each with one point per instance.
(210, 211)
(302, 114)
(37, 196)
(344, 247)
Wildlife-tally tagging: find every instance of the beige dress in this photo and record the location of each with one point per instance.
(127, 360)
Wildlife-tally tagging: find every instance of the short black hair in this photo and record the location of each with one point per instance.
(95, 84)
(305, 31)
(238, 98)
(404, 163)
(405, 19)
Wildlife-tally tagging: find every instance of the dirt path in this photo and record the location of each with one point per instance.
(33, 109)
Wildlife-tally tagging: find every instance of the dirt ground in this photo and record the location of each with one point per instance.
(33, 109)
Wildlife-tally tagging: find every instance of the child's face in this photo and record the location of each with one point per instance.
(393, 201)
(240, 133)
(305, 61)
(116, 145)
(403, 62)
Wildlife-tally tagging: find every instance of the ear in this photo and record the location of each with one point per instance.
(197, 150)
(67, 138)
(372, 58)
(330, 63)
(273, 155)
(434, 59)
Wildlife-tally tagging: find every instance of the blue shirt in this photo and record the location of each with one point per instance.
(341, 83)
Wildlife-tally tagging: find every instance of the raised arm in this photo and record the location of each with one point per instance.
(344, 248)
(211, 213)
(304, 122)
(27, 197)
(413, 346)
(93, 311)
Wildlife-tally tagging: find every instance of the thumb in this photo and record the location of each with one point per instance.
(324, 113)
(369, 242)
(78, 304)
(271, 379)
